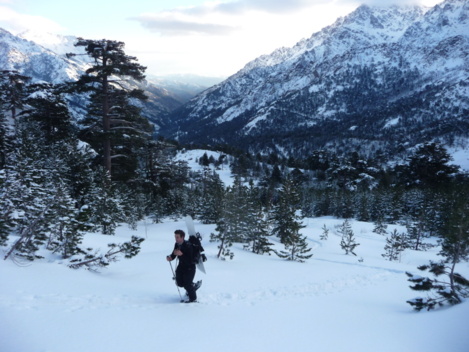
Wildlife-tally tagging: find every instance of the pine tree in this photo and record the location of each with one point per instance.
(257, 224)
(211, 192)
(231, 225)
(440, 292)
(395, 245)
(380, 227)
(102, 203)
(347, 242)
(429, 166)
(65, 230)
(222, 236)
(287, 224)
(13, 92)
(48, 108)
(6, 209)
(110, 96)
(235, 210)
(416, 236)
(325, 233)
(92, 260)
(28, 191)
(454, 241)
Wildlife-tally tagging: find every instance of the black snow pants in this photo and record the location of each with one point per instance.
(184, 278)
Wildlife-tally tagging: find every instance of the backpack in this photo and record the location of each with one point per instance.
(197, 248)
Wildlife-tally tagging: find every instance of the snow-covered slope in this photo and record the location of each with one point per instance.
(404, 64)
(332, 302)
(36, 61)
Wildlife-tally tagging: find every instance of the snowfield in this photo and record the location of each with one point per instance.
(332, 302)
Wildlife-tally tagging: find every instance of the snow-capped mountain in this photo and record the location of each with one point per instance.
(379, 78)
(36, 61)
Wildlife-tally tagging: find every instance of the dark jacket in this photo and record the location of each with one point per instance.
(185, 260)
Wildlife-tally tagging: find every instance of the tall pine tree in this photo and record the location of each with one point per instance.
(110, 95)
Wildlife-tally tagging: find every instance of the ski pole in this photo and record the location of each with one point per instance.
(174, 278)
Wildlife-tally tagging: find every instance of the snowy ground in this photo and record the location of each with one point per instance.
(333, 302)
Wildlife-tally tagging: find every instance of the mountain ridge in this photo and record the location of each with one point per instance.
(347, 75)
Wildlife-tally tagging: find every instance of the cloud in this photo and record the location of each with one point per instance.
(384, 3)
(17, 23)
(171, 25)
(269, 6)
(211, 18)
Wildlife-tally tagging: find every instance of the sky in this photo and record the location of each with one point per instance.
(207, 38)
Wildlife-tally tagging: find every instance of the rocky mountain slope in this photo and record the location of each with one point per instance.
(378, 80)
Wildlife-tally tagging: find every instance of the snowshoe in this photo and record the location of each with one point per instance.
(196, 286)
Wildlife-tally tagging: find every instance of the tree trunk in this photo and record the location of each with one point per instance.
(106, 124)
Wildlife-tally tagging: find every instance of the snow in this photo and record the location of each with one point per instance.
(332, 302)
(392, 122)
(193, 156)
(460, 158)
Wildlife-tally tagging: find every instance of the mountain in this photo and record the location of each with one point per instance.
(36, 61)
(381, 79)
(41, 56)
(184, 86)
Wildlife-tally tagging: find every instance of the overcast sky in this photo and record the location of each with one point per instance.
(210, 38)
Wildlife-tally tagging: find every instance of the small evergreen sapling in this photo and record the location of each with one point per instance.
(416, 235)
(380, 227)
(347, 243)
(451, 291)
(296, 248)
(325, 233)
(395, 245)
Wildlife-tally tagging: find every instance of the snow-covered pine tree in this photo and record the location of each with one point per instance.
(454, 242)
(232, 226)
(6, 209)
(210, 190)
(430, 166)
(380, 227)
(395, 245)
(103, 203)
(28, 191)
(347, 242)
(257, 229)
(64, 226)
(236, 210)
(287, 224)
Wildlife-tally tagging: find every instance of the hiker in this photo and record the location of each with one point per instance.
(185, 270)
